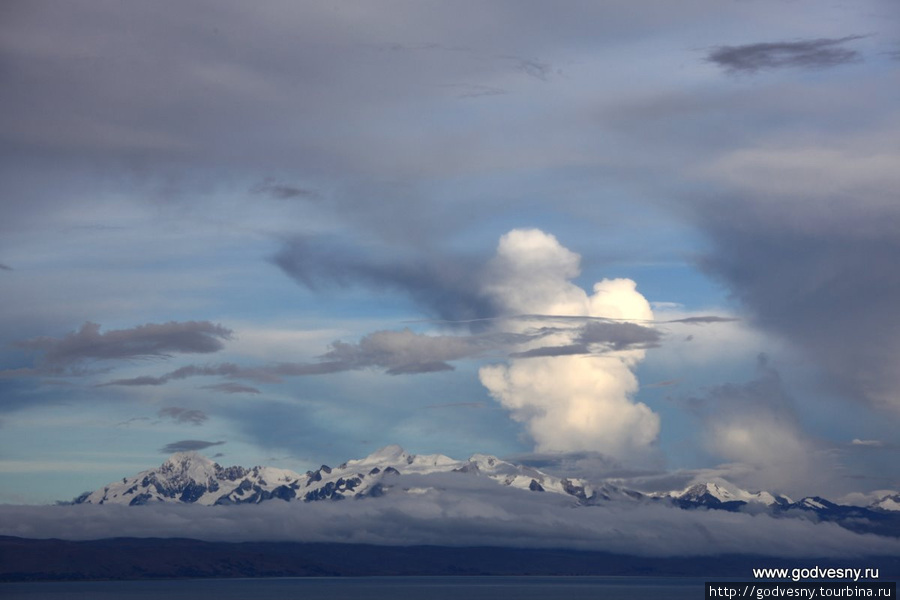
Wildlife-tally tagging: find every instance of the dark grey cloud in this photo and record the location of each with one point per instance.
(261, 374)
(597, 336)
(830, 290)
(449, 288)
(195, 370)
(145, 341)
(817, 53)
(128, 422)
(533, 67)
(765, 392)
(283, 191)
(567, 350)
(401, 352)
(232, 388)
(223, 369)
(100, 120)
(408, 352)
(419, 367)
(136, 381)
(187, 446)
(184, 415)
(703, 320)
(619, 336)
(4, 267)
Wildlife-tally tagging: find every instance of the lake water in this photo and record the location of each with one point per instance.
(370, 588)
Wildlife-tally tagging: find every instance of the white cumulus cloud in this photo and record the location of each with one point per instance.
(567, 402)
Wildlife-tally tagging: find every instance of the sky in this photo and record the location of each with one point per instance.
(647, 240)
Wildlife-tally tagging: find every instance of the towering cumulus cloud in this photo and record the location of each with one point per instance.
(569, 402)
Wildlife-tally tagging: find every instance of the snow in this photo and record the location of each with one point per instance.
(486, 462)
(274, 476)
(389, 455)
(190, 466)
(200, 480)
(185, 469)
(888, 503)
(723, 491)
(434, 460)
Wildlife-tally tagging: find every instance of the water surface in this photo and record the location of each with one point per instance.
(369, 588)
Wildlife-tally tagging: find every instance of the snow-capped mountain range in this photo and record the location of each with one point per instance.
(188, 477)
(191, 478)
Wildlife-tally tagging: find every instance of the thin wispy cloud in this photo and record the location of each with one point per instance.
(533, 67)
(662, 384)
(474, 90)
(703, 320)
(224, 369)
(129, 422)
(188, 446)
(145, 341)
(184, 415)
(283, 191)
(231, 388)
(874, 444)
(405, 352)
(457, 405)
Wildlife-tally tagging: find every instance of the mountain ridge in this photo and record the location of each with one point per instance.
(190, 478)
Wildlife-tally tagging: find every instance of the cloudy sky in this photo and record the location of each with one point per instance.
(619, 238)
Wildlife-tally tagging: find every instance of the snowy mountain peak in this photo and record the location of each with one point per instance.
(396, 457)
(720, 492)
(191, 478)
(187, 457)
(815, 503)
(438, 462)
(710, 491)
(389, 455)
(723, 492)
(188, 465)
(486, 462)
(890, 502)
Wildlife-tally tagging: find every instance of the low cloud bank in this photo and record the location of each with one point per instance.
(473, 512)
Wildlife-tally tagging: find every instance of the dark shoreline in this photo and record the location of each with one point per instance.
(175, 558)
